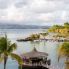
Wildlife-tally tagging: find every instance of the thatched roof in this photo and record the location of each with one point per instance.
(34, 53)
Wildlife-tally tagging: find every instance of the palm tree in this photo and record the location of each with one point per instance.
(63, 51)
(6, 50)
(44, 35)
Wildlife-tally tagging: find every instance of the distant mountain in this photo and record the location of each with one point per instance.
(16, 26)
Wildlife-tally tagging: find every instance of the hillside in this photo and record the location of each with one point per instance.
(16, 26)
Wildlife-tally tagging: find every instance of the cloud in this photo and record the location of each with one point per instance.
(5, 4)
(35, 11)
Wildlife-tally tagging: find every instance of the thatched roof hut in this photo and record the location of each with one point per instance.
(34, 53)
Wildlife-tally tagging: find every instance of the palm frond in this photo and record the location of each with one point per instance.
(12, 47)
(63, 50)
(17, 58)
(3, 43)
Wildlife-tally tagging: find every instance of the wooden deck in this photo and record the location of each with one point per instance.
(33, 67)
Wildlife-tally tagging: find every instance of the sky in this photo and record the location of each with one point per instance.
(34, 12)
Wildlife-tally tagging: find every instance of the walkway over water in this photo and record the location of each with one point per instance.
(58, 40)
(46, 39)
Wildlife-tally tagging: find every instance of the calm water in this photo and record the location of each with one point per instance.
(23, 47)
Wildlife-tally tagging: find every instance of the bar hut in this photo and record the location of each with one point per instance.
(35, 60)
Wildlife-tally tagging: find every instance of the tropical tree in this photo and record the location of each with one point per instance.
(55, 28)
(61, 30)
(66, 25)
(44, 34)
(35, 36)
(6, 50)
(63, 51)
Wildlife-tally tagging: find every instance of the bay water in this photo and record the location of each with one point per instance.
(49, 47)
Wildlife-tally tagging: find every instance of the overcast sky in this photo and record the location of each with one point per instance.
(39, 12)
